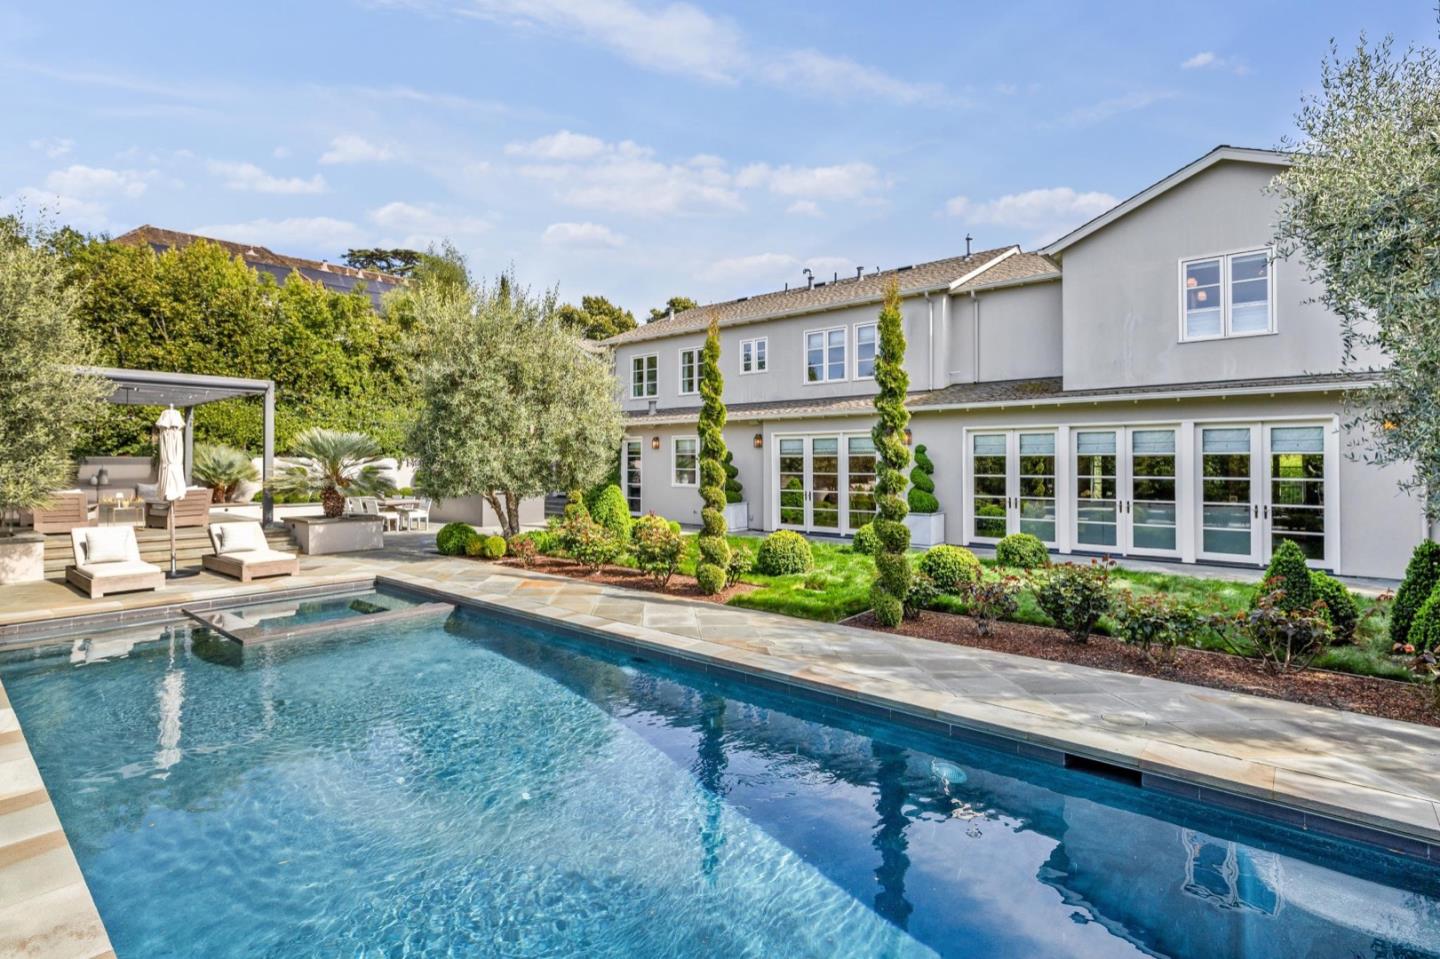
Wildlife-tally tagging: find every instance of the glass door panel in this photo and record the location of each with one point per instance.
(860, 484)
(1037, 485)
(792, 482)
(825, 483)
(1097, 506)
(1152, 511)
(1297, 488)
(1227, 495)
(631, 472)
(990, 471)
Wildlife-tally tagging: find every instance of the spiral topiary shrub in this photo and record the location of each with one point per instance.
(714, 547)
(1421, 575)
(611, 511)
(892, 456)
(734, 492)
(922, 484)
(454, 539)
(1021, 551)
(952, 569)
(784, 553)
(866, 540)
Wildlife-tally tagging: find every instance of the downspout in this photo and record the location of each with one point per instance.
(930, 311)
(975, 334)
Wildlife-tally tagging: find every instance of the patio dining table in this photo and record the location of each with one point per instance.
(402, 505)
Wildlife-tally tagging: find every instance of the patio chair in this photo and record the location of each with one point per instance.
(420, 512)
(354, 506)
(390, 516)
(193, 509)
(67, 510)
(242, 551)
(107, 560)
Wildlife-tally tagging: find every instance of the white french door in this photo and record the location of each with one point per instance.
(630, 473)
(1012, 484)
(826, 483)
(1125, 491)
(1231, 486)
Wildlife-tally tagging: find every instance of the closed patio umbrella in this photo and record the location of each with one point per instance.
(170, 436)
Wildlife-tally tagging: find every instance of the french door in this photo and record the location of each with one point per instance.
(1262, 484)
(1012, 484)
(826, 483)
(1125, 491)
(630, 473)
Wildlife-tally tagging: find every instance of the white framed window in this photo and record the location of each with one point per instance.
(684, 461)
(1227, 295)
(644, 376)
(755, 355)
(866, 345)
(689, 371)
(825, 355)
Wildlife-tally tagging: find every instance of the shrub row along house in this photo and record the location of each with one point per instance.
(1155, 383)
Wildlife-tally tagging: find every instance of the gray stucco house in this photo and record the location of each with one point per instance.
(1155, 383)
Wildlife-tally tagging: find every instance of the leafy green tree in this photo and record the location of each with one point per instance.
(510, 404)
(43, 401)
(892, 580)
(676, 304)
(1361, 204)
(596, 318)
(710, 572)
(396, 262)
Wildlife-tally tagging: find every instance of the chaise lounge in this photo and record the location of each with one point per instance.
(242, 551)
(107, 560)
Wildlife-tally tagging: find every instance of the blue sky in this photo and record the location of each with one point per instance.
(639, 149)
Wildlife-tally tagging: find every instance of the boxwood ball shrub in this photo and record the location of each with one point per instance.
(922, 484)
(950, 568)
(1425, 628)
(493, 547)
(455, 538)
(1421, 575)
(613, 512)
(866, 541)
(784, 553)
(1340, 608)
(1021, 551)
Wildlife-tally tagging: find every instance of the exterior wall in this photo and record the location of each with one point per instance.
(1122, 305)
(659, 495)
(1019, 334)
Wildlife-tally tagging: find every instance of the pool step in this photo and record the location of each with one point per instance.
(232, 623)
(191, 543)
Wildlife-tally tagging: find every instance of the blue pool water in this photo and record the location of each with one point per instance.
(479, 788)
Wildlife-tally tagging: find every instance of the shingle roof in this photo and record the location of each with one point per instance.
(1039, 390)
(846, 290)
(1020, 268)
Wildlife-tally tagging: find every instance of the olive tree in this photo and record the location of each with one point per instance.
(512, 404)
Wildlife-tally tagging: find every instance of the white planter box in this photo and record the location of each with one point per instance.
(345, 534)
(926, 529)
(22, 558)
(737, 516)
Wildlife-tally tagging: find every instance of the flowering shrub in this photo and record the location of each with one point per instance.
(922, 595)
(1075, 597)
(1156, 624)
(1283, 638)
(741, 562)
(524, 548)
(591, 544)
(992, 598)
(658, 548)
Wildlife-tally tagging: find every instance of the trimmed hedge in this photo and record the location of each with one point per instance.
(1340, 607)
(1022, 551)
(611, 511)
(1421, 575)
(784, 553)
(922, 484)
(951, 568)
(454, 539)
(1288, 571)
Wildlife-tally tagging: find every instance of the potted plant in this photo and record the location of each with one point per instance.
(737, 511)
(333, 465)
(926, 522)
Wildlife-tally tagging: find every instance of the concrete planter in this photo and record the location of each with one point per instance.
(737, 516)
(22, 558)
(926, 529)
(344, 534)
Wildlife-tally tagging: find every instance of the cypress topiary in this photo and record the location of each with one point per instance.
(892, 568)
(922, 484)
(1421, 575)
(734, 492)
(714, 547)
(1289, 572)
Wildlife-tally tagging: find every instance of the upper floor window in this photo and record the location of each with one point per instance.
(644, 376)
(1227, 295)
(689, 371)
(825, 355)
(865, 351)
(755, 355)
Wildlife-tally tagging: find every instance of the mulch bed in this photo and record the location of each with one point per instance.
(679, 585)
(1385, 698)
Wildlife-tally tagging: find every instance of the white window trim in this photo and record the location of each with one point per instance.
(674, 444)
(642, 395)
(805, 355)
(680, 371)
(1225, 257)
(855, 349)
(752, 343)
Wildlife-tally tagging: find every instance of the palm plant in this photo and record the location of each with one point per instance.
(335, 465)
(223, 469)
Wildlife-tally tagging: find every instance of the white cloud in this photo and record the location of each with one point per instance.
(1044, 214)
(53, 147)
(583, 235)
(68, 210)
(312, 233)
(252, 179)
(562, 145)
(351, 148)
(1210, 60)
(1114, 106)
(417, 226)
(1205, 58)
(845, 181)
(838, 78)
(87, 182)
(804, 208)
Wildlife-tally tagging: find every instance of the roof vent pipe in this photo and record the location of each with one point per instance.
(836, 277)
(809, 278)
(968, 238)
(859, 270)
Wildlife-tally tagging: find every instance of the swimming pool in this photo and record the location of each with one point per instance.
(478, 787)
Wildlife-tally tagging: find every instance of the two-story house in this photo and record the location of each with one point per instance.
(1155, 383)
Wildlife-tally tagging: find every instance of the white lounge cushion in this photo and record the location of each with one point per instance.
(130, 567)
(108, 544)
(260, 556)
(238, 538)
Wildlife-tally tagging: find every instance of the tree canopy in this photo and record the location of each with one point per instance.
(596, 318)
(676, 304)
(398, 262)
(1361, 205)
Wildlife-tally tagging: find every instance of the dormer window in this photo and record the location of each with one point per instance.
(1227, 295)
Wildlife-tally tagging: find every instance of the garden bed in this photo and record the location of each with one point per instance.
(1388, 699)
(679, 585)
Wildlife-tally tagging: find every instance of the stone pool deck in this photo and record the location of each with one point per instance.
(1338, 773)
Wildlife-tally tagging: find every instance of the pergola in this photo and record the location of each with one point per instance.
(185, 391)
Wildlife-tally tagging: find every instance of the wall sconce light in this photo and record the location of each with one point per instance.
(654, 442)
(908, 437)
(759, 440)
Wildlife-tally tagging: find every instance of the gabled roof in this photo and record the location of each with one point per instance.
(1220, 154)
(869, 288)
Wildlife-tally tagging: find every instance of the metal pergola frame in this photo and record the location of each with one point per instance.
(185, 391)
